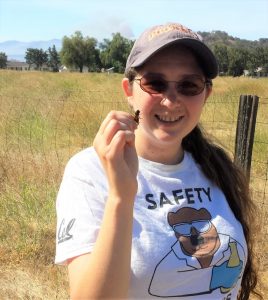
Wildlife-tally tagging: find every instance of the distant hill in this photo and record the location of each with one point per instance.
(215, 37)
(16, 49)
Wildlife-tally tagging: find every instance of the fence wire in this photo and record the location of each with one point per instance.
(42, 135)
(39, 136)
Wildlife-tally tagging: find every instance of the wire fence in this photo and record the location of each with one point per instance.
(50, 132)
(38, 138)
(222, 125)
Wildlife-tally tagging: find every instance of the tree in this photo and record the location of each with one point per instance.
(221, 53)
(237, 61)
(93, 55)
(53, 59)
(78, 52)
(265, 63)
(36, 56)
(3, 60)
(255, 60)
(115, 52)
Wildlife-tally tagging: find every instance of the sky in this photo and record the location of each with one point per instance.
(35, 20)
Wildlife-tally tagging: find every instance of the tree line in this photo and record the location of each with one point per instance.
(78, 52)
(234, 55)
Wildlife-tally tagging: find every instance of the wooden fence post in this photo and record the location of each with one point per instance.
(246, 121)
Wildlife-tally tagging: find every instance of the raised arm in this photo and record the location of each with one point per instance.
(105, 273)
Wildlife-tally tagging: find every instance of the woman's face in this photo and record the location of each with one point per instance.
(168, 117)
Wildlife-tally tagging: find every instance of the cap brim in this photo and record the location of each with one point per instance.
(204, 54)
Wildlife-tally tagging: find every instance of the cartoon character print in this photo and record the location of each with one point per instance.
(200, 252)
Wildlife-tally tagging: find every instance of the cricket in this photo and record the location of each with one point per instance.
(137, 116)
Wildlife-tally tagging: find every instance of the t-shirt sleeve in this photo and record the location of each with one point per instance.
(78, 218)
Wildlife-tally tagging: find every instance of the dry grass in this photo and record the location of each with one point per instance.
(33, 282)
(44, 119)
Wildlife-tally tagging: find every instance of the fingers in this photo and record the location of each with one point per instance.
(120, 140)
(116, 130)
(112, 129)
(120, 116)
(115, 146)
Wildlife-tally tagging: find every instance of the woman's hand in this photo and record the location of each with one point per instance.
(115, 146)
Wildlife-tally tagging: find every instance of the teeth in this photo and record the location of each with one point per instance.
(168, 118)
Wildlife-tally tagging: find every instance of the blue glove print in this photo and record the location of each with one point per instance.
(224, 276)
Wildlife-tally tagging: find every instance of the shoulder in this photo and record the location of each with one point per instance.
(84, 158)
(84, 163)
(87, 155)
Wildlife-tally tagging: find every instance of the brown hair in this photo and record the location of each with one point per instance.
(218, 167)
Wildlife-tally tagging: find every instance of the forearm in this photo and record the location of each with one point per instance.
(105, 273)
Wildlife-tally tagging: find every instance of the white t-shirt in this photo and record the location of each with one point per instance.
(186, 241)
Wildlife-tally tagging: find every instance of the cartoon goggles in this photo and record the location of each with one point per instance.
(189, 86)
(201, 226)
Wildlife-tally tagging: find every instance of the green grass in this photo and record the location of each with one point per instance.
(47, 117)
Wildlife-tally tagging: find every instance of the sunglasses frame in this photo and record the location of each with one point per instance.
(206, 82)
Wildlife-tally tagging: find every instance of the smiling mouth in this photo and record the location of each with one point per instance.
(168, 119)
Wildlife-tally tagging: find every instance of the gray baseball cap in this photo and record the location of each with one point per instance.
(158, 37)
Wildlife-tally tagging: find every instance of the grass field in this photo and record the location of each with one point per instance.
(47, 117)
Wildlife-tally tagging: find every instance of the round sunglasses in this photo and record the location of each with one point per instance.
(189, 86)
(184, 229)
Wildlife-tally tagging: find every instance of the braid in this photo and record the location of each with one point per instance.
(219, 168)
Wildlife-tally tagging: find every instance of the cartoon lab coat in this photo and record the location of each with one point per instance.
(180, 274)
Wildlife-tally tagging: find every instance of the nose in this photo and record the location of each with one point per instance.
(194, 231)
(171, 98)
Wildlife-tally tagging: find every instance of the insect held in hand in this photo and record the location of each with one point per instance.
(137, 116)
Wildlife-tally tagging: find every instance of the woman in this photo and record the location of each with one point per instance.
(154, 209)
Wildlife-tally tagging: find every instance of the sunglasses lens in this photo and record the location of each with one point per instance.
(202, 226)
(182, 229)
(153, 85)
(191, 87)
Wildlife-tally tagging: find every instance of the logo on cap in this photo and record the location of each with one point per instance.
(172, 27)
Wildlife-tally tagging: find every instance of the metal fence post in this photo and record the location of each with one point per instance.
(246, 121)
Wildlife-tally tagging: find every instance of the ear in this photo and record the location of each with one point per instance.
(127, 87)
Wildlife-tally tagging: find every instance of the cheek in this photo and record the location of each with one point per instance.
(144, 101)
(196, 106)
